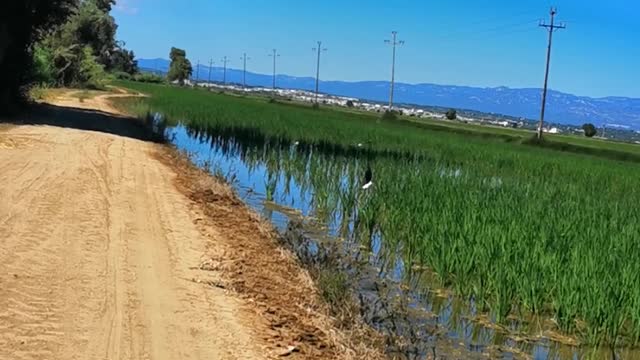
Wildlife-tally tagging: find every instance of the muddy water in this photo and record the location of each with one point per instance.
(402, 301)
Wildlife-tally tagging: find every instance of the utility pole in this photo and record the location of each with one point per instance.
(244, 70)
(319, 49)
(210, 67)
(393, 42)
(275, 56)
(551, 28)
(224, 74)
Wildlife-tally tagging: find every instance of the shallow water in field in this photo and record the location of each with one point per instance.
(294, 186)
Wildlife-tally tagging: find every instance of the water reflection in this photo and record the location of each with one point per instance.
(313, 193)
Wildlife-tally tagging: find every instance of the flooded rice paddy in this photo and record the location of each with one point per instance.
(313, 195)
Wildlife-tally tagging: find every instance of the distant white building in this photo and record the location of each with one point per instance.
(310, 97)
(553, 130)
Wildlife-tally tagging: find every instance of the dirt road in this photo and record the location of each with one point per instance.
(113, 247)
(97, 251)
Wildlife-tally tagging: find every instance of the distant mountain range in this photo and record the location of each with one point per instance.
(562, 108)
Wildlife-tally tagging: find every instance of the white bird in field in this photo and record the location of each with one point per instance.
(368, 179)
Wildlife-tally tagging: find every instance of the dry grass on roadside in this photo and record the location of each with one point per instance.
(259, 270)
(45, 94)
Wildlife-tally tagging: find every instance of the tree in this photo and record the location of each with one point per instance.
(123, 60)
(23, 23)
(90, 73)
(451, 114)
(350, 103)
(93, 26)
(105, 5)
(46, 41)
(589, 130)
(90, 27)
(43, 70)
(180, 68)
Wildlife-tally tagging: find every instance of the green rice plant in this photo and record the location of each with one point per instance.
(521, 230)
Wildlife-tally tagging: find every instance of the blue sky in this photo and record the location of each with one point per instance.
(454, 42)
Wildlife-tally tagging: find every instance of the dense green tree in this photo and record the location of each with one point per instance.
(177, 53)
(451, 114)
(589, 130)
(59, 42)
(123, 60)
(180, 68)
(22, 24)
(92, 26)
(90, 72)
(105, 5)
(43, 72)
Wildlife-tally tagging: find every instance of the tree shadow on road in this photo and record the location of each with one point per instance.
(83, 119)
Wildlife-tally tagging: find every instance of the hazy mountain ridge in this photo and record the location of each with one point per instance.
(562, 108)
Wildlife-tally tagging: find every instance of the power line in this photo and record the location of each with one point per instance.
(319, 49)
(551, 28)
(495, 19)
(503, 34)
(495, 30)
(275, 55)
(244, 70)
(210, 67)
(224, 73)
(393, 42)
(506, 27)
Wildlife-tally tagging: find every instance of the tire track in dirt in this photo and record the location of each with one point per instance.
(96, 246)
(106, 252)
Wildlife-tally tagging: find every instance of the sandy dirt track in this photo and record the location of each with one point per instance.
(114, 247)
(96, 252)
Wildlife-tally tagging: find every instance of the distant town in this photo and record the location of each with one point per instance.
(610, 132)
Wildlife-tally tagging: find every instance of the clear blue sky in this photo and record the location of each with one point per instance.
(455, 42)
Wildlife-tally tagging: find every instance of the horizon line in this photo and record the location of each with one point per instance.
(419, 83)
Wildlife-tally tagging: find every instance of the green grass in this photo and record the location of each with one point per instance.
(334, 287)
(289, 120)
(550, 229)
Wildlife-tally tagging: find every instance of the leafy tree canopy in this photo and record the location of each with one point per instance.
(180, 68)
(451, 114)
(105, 5)
(123, 60)
(22, 23)
(90, 28)
(589, 130)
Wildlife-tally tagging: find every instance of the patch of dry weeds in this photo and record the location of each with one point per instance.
(262, 272)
